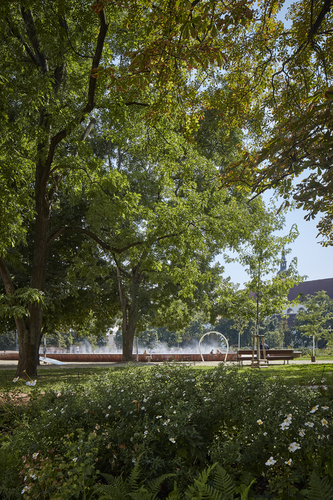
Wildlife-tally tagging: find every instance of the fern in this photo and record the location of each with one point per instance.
(130, 488)
(319, 489)
(223, 483)
(222, 489)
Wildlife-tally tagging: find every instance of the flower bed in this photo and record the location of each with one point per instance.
(175, 420)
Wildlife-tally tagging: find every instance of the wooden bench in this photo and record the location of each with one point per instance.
(271, 355)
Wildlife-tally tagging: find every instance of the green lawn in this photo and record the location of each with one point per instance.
(55, 377)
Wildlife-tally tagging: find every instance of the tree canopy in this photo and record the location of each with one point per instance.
(159, 219)
(293, 151)
(67, 68)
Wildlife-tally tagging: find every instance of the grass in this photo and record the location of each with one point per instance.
(55, 377)
(51, 378)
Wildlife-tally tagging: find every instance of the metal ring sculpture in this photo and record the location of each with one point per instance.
(218, 333)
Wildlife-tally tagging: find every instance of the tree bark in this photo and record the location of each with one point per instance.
(26, 350)
(129, 313)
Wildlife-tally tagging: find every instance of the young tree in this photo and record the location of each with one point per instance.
(263, 297)
(314, 320)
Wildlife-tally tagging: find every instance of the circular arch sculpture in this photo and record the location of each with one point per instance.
(218, 333)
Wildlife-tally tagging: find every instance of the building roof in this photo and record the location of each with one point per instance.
(311, 287)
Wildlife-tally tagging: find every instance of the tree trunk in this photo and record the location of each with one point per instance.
(128, 339)
(29, 341)
(30, 337)
(129, 313)
(28, 332)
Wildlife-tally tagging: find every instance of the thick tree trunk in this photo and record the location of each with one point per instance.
(28, 332)
(29, 337)
(29, 341)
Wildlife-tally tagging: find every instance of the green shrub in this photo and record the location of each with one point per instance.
(179, 421)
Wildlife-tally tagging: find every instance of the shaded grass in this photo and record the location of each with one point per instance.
(52, 378)
(55, 377)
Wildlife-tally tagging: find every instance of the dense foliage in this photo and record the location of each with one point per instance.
(175, 420)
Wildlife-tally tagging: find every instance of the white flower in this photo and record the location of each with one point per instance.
(309, 424)
(31, 383)
(159, 416)
(289, 462)
(31, 473)
(97, 427)
(301, 433)
(106, 416)
(35, 455)
(260, 422)
(324, 422)
(109, 407)
(293, 447)
(26, 488)
(15, 379)
(284, 425)
(264, 433)
(74, 459)
(325, 407)
(314, 409)
(172, 440)
(270, 461)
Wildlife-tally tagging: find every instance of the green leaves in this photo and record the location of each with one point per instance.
(266, 292)
(17, 304)
(314, 318)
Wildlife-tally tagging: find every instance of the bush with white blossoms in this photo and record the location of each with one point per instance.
(177, 420)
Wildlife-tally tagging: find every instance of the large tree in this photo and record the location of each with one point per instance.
(57, 59)
(47, 52)
(159, 218)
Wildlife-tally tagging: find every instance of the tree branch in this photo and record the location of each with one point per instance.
(6, 278)
(101, 243)
(91, 92)
(130, 103)
(31, 32)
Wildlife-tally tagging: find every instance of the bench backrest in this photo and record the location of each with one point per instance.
(273, 352)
